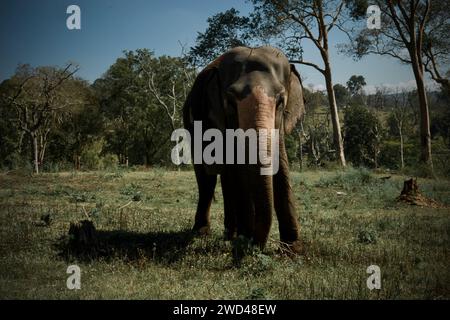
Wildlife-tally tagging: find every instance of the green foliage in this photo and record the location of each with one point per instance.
(390, 154)
(441, 154)
(341, 94)
(34, 103)
(355, 85)
(291, 143)
(90, 156)
(109, 161)
(358, 8)
(225, 30)
(440, 124)
(362, 136)
(142, 96)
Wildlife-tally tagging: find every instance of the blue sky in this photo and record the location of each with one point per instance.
(35, 32)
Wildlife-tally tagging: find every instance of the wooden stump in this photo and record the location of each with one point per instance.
(83, 236)
(411, 195)
(410, 187)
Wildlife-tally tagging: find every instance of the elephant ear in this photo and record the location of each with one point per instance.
(204, 101)
(295, 107)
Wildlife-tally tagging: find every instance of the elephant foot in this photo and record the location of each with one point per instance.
(292, 248)
(202, 230)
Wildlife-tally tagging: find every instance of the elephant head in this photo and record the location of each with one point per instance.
(247, 88)
(250, 88)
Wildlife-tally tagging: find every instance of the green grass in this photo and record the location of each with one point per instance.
(349, 220)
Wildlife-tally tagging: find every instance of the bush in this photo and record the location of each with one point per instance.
(362, 132)
(441, 154)
(110, 162)
(57, 166)
(291, 144)
(92, 158)
(390, 154)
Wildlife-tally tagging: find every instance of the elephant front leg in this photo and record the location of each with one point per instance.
(284, 205)
(226, 180)
(206, 185)
(263, 202)
(243, 202)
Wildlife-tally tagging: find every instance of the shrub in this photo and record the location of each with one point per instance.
(362, 132)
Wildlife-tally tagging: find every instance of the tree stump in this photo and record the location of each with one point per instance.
(411, 195)
(410, 188)
(83, 236)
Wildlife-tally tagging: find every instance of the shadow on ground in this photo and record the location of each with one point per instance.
(162, 247)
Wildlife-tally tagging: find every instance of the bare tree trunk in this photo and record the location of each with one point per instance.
(425, 135)
(402, 161)
(337, 137)
(42, 148)
(77, 162)
(36, 152)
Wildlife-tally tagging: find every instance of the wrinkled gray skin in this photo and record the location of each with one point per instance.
(248, 88)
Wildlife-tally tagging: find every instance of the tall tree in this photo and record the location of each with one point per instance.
(402, 34)
(355, 84)
(362, 131)
(141, 96)
(40, 97)
(305, 20)
(342, 95)
(400, 114)
(225, 30)
(288, 23)
(436, 47)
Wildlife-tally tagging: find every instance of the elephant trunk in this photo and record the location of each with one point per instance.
(257, 112)
(262, 196)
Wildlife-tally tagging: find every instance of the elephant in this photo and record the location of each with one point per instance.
(248, 88)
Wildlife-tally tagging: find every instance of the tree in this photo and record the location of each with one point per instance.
(404, 28)
(362, 131)
(225, 30)
(116, 93)
(378, 99)
(314, 130)
(436, 47)
(303, 20)
(168, 81)
(84, 125)
(400, 115)
(291, 23)
(342, 95)
(40, 97)
(141, 97)
(11, 137)
(355, 85)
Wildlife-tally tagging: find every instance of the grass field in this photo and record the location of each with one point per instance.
(143, 220)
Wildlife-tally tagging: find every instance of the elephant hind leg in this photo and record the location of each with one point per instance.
(206, 184)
